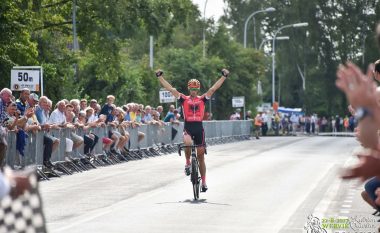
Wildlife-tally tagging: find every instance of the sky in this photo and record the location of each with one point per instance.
(214, 8)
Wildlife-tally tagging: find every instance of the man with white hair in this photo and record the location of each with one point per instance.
(58, 118)
(5, 98)
(50, 143)
(148, 115)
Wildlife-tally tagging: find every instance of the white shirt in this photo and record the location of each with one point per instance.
(313, 120)
(92, 118)
(57, 117)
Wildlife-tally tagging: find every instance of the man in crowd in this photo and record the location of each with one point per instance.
(22, 101)
(170, 115)
(160, 109)
(50, 143)
(107, 108)
(5, 98)
(83, 104)
(236, 115)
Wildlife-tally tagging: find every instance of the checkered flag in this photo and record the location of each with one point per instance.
(24, 214)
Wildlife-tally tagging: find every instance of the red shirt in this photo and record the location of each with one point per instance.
(193, 108)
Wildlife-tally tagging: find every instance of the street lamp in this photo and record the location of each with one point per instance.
(270, 9)
(204, 26)
(268, 39)
(296, 25)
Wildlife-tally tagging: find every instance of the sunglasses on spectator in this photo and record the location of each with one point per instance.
(194, 89)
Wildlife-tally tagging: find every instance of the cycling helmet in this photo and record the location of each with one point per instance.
(194, 83)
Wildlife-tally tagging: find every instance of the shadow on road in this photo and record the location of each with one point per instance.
(192, 201)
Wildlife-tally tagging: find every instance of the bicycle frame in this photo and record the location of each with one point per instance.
(195, 177)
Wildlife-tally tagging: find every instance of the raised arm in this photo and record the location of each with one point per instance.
(218, 83)
(166, 85)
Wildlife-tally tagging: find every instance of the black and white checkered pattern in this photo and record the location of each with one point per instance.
(24, 214)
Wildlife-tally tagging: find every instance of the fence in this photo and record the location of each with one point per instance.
(169, 134)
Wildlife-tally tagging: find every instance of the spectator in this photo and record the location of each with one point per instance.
(15, 123)
(122, 126)
(76, 139)
(156, 119)
(5, 98)
(170, 115)
(32, 124)
(264, 124)
(148, 115)
(258, 124)
(93, 103)
(83, 104)
(22, 101)
(90, 115)
(294, 119)
(236, 115)
(160, 109)
(352, 123)
(248, 116)
(337, 123)
(76, 104)
(97, 109)
(307, 124)
(346, 123)
(50, 143)
(33, 100)
(108, 108)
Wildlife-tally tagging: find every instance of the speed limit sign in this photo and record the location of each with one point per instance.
(27, 77)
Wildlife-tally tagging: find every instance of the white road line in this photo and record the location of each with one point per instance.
(344, 211)
(347, 201)
(346, 206)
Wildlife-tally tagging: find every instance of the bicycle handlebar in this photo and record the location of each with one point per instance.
(180, 147)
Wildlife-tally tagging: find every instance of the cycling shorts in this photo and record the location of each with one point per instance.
(196, 132)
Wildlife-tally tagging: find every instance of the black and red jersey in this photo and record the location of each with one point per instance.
(193, 108)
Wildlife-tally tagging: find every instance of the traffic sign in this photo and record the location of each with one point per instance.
(27, 77)
(166, 97)
(238, 101)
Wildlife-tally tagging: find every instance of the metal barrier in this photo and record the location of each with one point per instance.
(155, 136)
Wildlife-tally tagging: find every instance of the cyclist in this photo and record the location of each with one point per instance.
(193, 107)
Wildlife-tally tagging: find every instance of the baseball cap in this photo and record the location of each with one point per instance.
(34, 96)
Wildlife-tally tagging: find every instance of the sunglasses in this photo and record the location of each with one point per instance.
(194, 89)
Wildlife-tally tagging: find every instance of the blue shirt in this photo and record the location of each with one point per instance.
(127, 117)
(41, 116)
(169, 116)
(107, 110)
(147, 118)
(21, 106)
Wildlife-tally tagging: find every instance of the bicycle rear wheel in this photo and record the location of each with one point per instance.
(195, 178)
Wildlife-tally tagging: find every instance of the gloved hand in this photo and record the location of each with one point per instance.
(225, 72)
(159, 73)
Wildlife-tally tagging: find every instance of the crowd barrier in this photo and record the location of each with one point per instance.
(154, 135)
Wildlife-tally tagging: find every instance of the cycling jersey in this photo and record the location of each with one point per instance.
(193, 108)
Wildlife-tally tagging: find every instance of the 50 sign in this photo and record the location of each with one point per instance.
(26, 78)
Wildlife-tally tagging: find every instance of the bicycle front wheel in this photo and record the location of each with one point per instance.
(195, 179)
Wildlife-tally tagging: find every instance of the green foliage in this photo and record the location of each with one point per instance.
(113, 57)
(336, 33)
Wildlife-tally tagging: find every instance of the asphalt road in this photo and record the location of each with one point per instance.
(266, 185)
